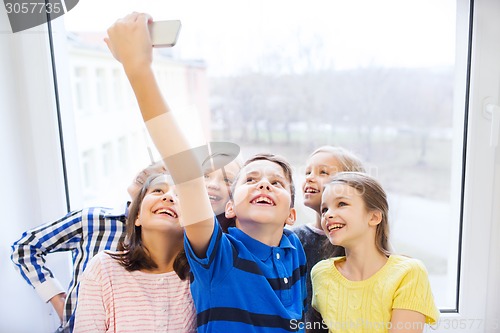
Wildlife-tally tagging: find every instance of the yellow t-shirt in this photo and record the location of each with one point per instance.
(366, 306)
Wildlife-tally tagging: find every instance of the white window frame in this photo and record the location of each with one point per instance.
(30, 70)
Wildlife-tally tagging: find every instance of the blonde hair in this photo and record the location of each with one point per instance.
(348, 160)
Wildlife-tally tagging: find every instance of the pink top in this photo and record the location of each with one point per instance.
(112, 299)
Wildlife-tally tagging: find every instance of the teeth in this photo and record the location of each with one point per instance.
(263, 200)
(169, 212)
(311, 190)
(335, 226)
(213, 197)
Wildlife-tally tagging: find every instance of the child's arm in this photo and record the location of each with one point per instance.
(130, 43)
(30, 251)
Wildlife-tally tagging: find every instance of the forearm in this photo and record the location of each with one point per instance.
(29, 252)
(180, 159)
(130, 44)
(58, 302)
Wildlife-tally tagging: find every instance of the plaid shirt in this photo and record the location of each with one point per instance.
(85, 233)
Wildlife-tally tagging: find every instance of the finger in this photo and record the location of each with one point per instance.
(143, 18)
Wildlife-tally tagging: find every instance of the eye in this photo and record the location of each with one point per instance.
(324, 210)
(250, 180)
(277, 183)
(324, 172)
(206, 176)
(157, 190)
(342, 204)
(308, 172)
(228, 181)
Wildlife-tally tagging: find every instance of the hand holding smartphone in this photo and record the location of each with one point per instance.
(164, 33)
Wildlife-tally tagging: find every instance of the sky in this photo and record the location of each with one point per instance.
(236, 35)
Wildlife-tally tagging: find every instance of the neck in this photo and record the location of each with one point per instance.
(317, 224)
(269, 234)
(163, 250)
(362, 262)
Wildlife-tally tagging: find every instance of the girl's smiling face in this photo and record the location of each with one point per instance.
(320, 169)
(158, 211)
(344, 216)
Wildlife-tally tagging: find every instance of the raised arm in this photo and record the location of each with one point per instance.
(129, 41)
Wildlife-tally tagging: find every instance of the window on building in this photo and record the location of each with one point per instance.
(80, 88)
(101, 88)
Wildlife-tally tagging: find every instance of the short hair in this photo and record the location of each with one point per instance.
(278, 159)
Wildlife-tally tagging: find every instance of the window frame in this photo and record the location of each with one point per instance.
(478, 288)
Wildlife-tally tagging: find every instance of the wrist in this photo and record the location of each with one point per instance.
(137, 69)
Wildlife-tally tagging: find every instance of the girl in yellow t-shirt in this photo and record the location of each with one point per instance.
(369, 289)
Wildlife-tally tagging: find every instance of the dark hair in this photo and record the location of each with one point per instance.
(281, 161)
(375, 199)
(135, 256)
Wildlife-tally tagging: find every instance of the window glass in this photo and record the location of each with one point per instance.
(376, 77)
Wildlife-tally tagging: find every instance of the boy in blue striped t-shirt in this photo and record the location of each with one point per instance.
(253, 278)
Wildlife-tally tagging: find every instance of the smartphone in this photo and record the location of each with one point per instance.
(164, 33)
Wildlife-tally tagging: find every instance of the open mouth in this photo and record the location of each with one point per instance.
(263, 200)
(214, 197)
(310, 190)
(335, 226)
(166, 211)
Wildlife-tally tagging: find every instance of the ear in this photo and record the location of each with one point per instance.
(375, 218)
(291, 217)
(138, 221)
(229, 212)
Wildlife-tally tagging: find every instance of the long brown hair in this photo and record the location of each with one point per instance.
(375, 199)
(135, 256)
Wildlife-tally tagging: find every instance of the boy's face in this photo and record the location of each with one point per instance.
(262, 195)
(218, 185)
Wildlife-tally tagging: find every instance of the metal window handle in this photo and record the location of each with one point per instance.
(494, 111)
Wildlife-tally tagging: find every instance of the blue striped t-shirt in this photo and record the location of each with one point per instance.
(243, 285)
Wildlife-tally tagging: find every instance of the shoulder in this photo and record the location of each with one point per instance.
(323, 265)
(407, 267)
(302, 229)
(290, 233)
(100, 264)
(294, 239)
(405, 263)
(102, 211)
(96, 215)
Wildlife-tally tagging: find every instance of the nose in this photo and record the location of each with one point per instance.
(264, 184)
(212, 183)
(328, 214)
(169, 197)
(309, 176)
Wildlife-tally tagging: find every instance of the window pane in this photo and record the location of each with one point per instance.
(377, 77)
